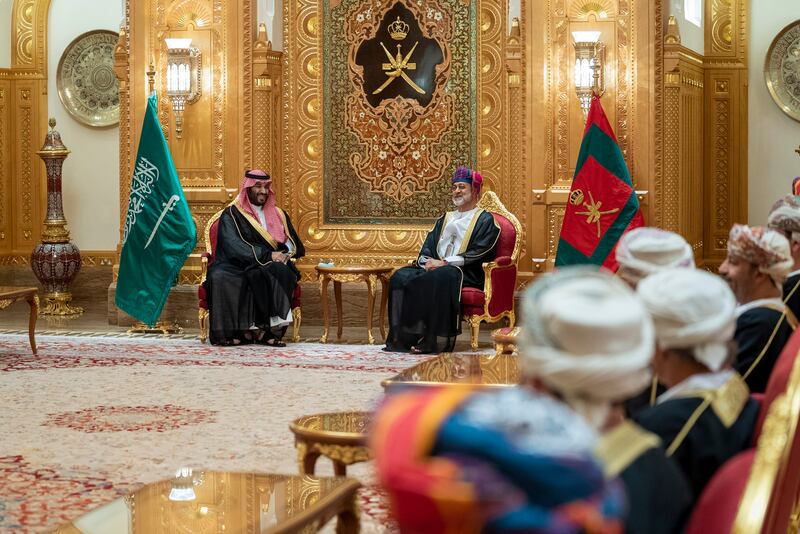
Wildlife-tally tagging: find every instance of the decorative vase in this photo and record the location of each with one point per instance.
(55, 261)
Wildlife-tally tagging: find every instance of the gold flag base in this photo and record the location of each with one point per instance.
(161, 327)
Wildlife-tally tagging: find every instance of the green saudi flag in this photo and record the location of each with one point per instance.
(159, 233)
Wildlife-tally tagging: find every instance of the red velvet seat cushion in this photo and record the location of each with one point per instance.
(472, 298)
(716, 509)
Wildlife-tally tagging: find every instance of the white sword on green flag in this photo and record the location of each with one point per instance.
(167, 207)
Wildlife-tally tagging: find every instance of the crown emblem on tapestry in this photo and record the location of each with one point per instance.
(398, 30)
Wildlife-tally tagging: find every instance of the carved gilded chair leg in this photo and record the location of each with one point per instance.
(475, 328)
(202, 315)
(298, 320)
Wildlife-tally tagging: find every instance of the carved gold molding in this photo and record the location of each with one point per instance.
(23, 113)
(682, 137)
(725, 94)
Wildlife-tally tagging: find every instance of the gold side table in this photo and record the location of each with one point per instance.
(353, 273)
(340, 436)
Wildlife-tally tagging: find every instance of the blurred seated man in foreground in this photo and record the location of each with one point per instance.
(641, 252)
(647, 250)
(706, 415)
(757, 263)
(251, 280)
(785, 218)
(500, 461)
(425, 299)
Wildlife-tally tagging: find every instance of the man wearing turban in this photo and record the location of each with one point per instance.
(646, 250)
(757, 263)
(706, 415)
(251, 281)
(425, 299)
(784, 217)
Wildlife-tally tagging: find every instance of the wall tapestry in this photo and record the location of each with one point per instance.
(399, 98)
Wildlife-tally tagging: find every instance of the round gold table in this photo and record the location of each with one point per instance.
(353, 273)
(340, 436)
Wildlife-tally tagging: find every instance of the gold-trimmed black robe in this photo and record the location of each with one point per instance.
(244, 286)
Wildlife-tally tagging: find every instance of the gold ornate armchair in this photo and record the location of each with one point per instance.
(206, 258)
(496, 300)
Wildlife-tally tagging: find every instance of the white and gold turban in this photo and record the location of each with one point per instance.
(643, 251)
(785, 217)
(766, 249)
(691, 309)
(587, 336)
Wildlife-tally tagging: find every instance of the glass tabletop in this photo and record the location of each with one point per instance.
(205, 501)
(465, 369)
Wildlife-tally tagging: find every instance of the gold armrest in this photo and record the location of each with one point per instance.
(203, 268)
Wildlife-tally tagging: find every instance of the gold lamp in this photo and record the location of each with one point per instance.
(589, 58)
(184, 77)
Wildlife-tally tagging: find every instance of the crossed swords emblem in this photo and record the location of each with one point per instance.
(396, 69)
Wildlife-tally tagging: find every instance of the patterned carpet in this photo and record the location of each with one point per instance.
(90, 419)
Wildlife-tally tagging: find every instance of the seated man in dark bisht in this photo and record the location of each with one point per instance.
(706, 415)
(251, 281)
(757, 263)
(425, 299)
(784, 217)
(547, 456)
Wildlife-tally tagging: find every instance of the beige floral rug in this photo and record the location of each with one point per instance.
(91, 418)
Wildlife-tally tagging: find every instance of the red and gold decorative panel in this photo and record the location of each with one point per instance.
(399, 107)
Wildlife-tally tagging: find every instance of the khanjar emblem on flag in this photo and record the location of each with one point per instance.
(602, 204)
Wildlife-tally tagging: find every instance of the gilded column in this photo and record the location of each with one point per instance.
(725, 103)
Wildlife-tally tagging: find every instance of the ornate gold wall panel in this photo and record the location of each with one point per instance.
(23, 124)
(303, 88)
(681, 205)
(266, 126)
(5, 166)
(632, 102)
(229, 128)
(725, 106)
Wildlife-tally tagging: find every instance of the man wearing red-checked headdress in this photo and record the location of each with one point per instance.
(425, 299)
(251, 280)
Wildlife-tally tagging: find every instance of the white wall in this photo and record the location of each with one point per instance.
(513, 11)
(270, 12)
(692, 36)
(773, 136)
(5, 33)
(91, 172)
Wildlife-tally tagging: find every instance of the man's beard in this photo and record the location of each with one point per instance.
(463, 199)
(252, 196)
